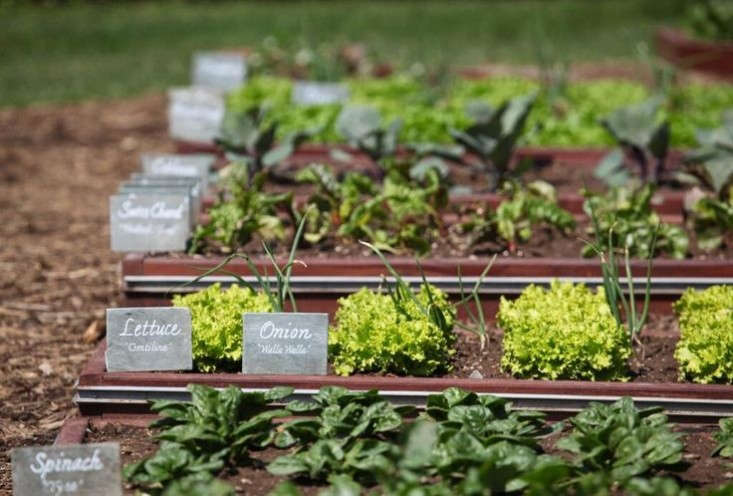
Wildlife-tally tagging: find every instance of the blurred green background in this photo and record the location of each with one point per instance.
(73, 51)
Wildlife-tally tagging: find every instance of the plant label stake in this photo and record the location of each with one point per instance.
(150, 222)
(285, 343)
(219, 70)
(195, 114)
(79, 469)
(143, 183)
(318, 93)
(194, 165)
(140, 339)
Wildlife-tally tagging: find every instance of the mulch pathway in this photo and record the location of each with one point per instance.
(58, 165)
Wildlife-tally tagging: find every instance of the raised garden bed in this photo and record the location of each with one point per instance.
(152, 280)
(135, 441)
(715, 58)
(101, 392)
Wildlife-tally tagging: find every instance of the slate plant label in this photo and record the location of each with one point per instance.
(319, 93)
(151, 222)
(219, 70)
(195, 114)
(142, 183)
(82, 469)
(146, 339)
(285, 343)
(194, 165)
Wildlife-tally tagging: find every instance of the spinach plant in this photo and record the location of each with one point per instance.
(351, 433)
(514, 219)
(724, 437)
(624, 218)
(216, 429)
(640, 138)
(622, 441)
(493, 137)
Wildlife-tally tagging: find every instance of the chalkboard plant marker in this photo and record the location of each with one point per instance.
(80, 469)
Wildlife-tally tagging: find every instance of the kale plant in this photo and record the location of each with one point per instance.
(493, 137)
(640, 138)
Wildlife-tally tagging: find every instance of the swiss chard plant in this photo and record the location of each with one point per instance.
(215, 430)
(398, 215)
(515, 218)
(641, 138)
(623, 218)
(493, 136)
(242, 212)
(623, 442)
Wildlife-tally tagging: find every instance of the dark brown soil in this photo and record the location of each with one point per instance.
(703, 471)
(58, 165)
(136, 443)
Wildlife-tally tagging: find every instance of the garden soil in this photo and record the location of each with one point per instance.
(58, 165)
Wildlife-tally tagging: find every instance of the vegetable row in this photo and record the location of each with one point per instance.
(353, 443)
(566, 116)
(566, 331)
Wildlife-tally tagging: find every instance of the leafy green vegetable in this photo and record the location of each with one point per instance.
(249, 138)
(216, 429)
(494, 136)
(623, 218)
(515, 218)
(711, 165)
(564, 332)
(399, 215)
(711, 19)
(216, 318)
(705, 350)
(725, 438)
(347, 435)
(244, 211)
(636, 130)
(622, 441)
(373, 333)
(489, 419)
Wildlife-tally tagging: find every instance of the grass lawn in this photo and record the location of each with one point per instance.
(119, 49)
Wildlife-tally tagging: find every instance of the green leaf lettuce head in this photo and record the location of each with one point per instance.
(216, 317)
(705, 350)
(564, 332)
(373, 334)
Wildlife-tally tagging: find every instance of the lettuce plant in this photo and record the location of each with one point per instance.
(724, 437)
(564, 332)
(374, 334)
(705, 350)
(216, 317)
